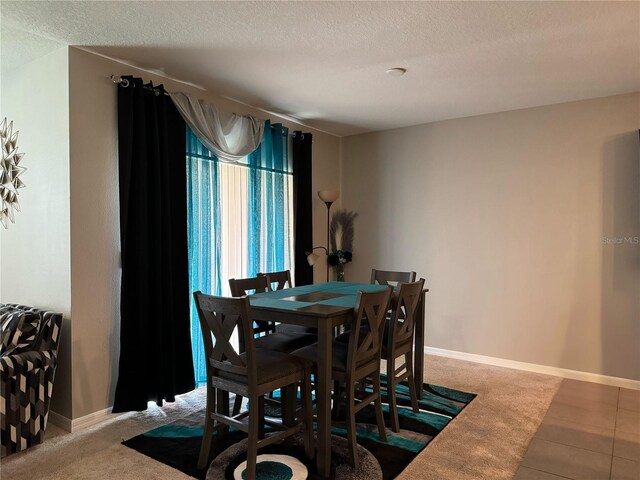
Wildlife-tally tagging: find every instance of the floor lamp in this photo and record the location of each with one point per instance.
(328, 197)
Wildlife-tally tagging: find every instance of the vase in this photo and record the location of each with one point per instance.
(340, 272)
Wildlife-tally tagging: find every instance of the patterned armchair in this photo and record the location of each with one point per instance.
(28, 355)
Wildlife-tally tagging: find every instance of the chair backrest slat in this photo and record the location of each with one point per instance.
(219, 318)
(405, 303)
(281, 280)
(246, 286)
(370, 310)
(388, 277)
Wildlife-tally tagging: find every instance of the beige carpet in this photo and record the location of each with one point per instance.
(485, 442)
(489, 438)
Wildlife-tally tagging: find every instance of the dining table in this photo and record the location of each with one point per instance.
(326, 306)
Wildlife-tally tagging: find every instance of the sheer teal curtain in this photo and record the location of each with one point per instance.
(240, 219)
(270, 209)
(203, 210)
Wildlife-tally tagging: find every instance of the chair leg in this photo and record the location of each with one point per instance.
(226, 402)
(223, 408)
(361, 387)
(378, 403)
(351, 423)
(205, 447)
(288, 404)
(412, 383)
(307, 416)
(237, 404)
(252, 443)
(391, 395)
(260, 417)
(336, 400)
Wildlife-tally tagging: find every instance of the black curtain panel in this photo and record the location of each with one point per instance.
(155, 344)
(302, 207)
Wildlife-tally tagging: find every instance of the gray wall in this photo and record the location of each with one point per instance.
(506, 216)
(35, 251)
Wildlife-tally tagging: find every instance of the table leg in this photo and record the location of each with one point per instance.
(288, 405)
(323, 398)
(418, 354)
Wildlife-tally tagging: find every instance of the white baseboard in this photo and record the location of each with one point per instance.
(532, 367)
(102, 415)
(81, 423)
(60, 420)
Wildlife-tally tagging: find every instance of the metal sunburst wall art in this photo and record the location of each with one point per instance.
(9, 173)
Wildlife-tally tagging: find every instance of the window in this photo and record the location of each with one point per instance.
(240, 219)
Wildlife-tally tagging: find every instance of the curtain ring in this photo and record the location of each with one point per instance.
(118, 79)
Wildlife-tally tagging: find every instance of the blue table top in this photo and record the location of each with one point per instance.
(343, 294)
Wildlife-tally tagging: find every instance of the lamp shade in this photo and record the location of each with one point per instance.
(312, 258)
(328, 196)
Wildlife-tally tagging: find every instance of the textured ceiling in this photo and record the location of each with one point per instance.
(325, 62)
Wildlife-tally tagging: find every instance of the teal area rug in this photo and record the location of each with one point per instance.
(178, 444)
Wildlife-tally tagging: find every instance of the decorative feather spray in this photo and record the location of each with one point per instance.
(342, 230)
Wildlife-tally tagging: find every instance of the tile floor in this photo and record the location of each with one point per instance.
(590, 432)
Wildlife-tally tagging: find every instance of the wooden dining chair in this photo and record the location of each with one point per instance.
(247, 286)
(382, 277)
(398, 343)
(357, 360)
(389, 277)
(278, 280)
(251, 374)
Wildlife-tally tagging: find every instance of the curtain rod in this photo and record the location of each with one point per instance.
(125, 83)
